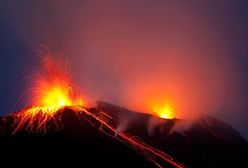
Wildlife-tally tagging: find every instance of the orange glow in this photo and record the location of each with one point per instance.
(164, 111)
(157, 102)
(56, 97)
(52, 90)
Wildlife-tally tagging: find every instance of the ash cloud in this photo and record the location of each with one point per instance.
(130, 53)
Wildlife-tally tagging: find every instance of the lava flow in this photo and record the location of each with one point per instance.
(53, 91)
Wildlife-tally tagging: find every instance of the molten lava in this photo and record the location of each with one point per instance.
(164, 111)
(52, 90)
(55, 97)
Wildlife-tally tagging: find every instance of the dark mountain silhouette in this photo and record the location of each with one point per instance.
(208, 143)
(72, 139)
(80, 141)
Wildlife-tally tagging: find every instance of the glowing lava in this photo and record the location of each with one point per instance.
(58, 96)
(51, 90)
(164, 111)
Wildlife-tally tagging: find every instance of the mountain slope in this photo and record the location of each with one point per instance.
(207, 143)
(75, 138)
(78, 140)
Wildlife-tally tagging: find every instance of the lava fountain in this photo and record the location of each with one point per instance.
(52, 90)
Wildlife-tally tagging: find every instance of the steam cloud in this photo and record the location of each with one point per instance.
(132, 53)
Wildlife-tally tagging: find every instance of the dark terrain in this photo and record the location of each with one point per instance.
(208, 143)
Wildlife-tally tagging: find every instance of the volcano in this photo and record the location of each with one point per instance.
(208, 143)
(75, 137)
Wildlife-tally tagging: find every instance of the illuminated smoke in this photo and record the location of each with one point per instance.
(132, 54)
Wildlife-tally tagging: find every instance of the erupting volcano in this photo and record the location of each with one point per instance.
(52, 90)
(60, 117)
(54, 94)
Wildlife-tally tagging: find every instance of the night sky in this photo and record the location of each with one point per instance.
(111, 45)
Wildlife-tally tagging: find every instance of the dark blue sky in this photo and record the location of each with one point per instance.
(209, 28)
(13, 52)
